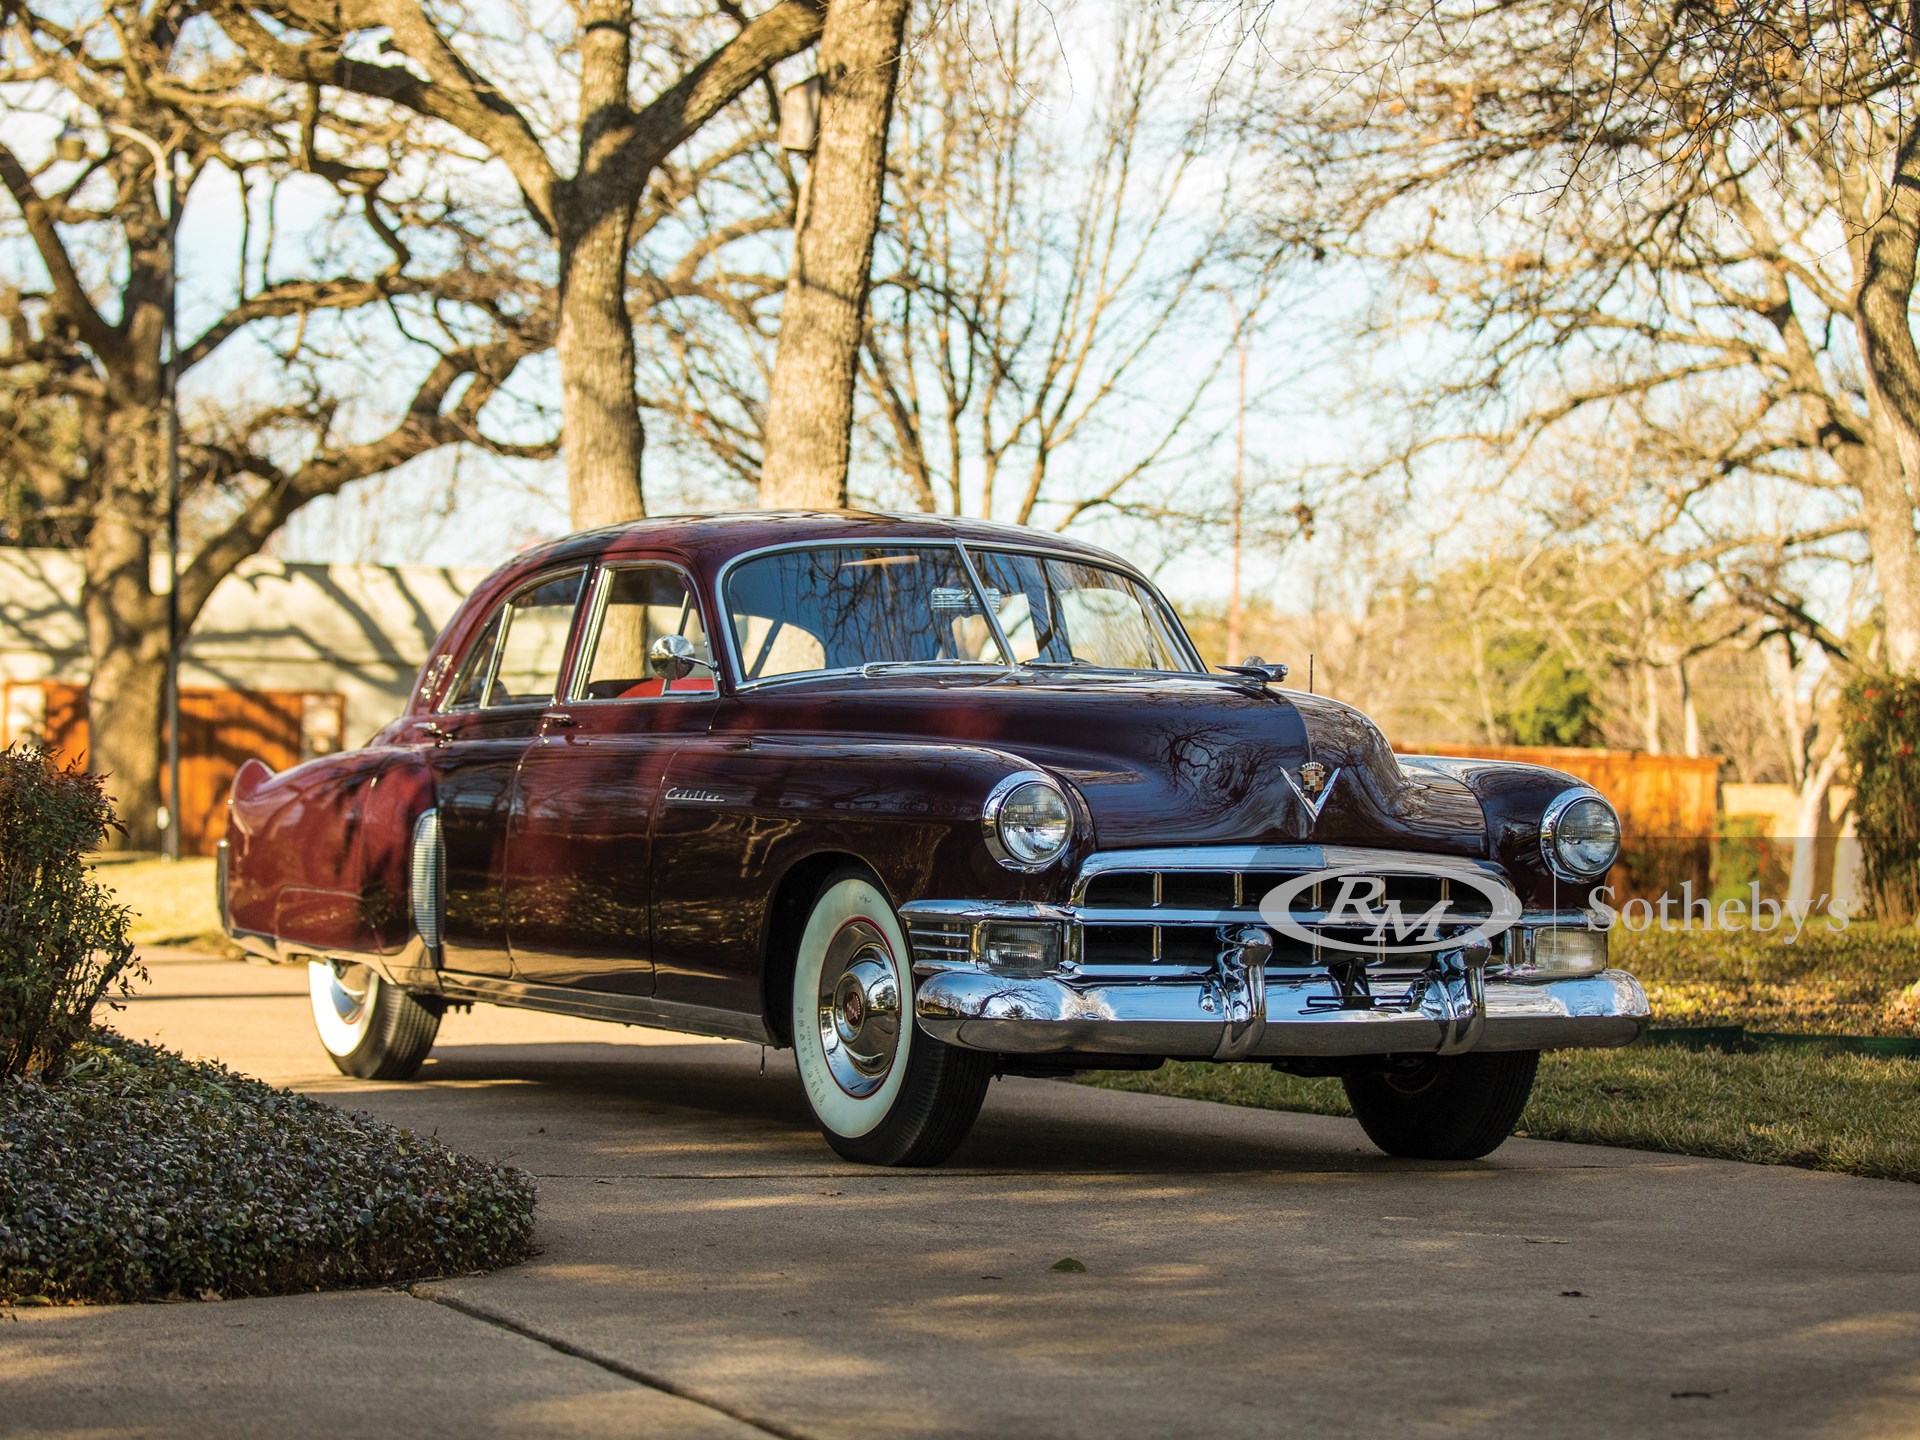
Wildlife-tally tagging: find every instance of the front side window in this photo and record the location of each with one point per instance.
(642, 604)
(840, 607)
(1068, 612)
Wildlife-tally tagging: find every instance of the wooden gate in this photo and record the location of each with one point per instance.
(220, 730)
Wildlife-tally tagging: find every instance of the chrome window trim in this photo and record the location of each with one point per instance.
(1549, 822)
(990, 820)
(738, 678)
(585, 567)
(590, 627)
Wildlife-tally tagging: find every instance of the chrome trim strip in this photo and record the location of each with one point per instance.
(604, 1005)
(425, 881)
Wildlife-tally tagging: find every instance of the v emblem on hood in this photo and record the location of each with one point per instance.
(1313, 787)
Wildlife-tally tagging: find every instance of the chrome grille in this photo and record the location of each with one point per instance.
(1163, 911)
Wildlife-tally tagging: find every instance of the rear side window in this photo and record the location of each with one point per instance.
(516, 659)
(471, 683)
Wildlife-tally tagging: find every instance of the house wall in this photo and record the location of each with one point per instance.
(356, 631)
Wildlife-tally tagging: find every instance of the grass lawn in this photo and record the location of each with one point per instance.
(173, 902)
(1851, 1113)
(1859, 1115)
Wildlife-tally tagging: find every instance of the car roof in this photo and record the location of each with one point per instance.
(712, 540)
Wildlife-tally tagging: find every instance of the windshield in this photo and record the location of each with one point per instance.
(1068, 612)
(807, 610)
(841, 607)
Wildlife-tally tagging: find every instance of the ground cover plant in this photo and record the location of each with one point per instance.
(143, 1176)
(130, 1173)
(1859, 1115)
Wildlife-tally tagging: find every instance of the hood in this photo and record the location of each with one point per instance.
(1166, 760)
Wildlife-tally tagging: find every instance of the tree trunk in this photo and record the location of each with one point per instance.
(127, 638)
(1690, 744)
(1650, 714)
(1809, 820)
(599, 409)
(1883, 299)
(809, 426)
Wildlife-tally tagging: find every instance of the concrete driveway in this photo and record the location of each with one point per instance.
(710, 1269)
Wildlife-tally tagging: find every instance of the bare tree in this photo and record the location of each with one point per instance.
(86, 329)
(581, 172)
(809, 426)
(1048, 321)
(1697, 223)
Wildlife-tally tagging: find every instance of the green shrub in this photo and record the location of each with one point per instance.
(63, 940)
(1880, 726)
(145, 1176)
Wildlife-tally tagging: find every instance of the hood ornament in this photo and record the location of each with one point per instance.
(1313, 788)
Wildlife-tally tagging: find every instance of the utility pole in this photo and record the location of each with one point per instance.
(1234, 653)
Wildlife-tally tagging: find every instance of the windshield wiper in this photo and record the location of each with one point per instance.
(877, 667)
(1069, 663)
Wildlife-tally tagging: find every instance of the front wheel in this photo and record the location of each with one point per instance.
(882, 1093)
(371, 1030)
(1456, 1107)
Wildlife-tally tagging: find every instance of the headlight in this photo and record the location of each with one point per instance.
(1580, 836)
(1027, 820)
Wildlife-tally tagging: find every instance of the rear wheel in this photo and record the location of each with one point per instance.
(370, 1029)
(882, 1092)
(1459, 1107)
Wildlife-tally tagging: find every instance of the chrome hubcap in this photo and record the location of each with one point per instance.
(859, 1006)
(351, 989)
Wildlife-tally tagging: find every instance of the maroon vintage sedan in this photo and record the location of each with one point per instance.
(930, 801)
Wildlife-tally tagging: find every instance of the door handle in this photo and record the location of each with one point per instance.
(559, 720)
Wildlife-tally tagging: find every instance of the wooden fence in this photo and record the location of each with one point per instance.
(1668, 807)
(220, 730)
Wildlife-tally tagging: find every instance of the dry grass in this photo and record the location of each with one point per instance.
(173, 903)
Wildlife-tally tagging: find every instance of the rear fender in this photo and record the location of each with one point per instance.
(318, 856)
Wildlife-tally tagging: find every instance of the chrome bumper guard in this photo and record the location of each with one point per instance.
(1238, 1008)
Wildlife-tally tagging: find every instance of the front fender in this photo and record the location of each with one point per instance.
(734, 818)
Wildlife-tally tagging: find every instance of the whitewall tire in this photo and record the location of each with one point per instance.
(370, 1029)
(881, 1091)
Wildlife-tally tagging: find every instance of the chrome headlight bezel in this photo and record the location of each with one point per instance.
(992, 814)
(1552, 825)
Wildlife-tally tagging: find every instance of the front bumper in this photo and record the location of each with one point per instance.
(1207, 979)
(1291, 1017)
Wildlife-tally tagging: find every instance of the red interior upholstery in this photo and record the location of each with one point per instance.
(647, 689)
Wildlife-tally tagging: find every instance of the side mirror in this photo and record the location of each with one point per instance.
(671, 657)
